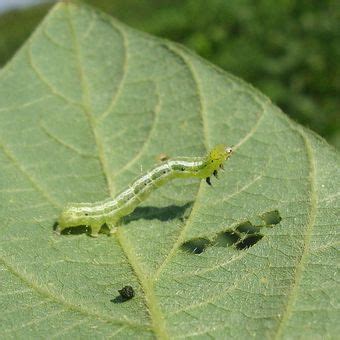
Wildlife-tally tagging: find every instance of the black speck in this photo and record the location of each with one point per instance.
(182, 169)
(86, 214)
(127, 292)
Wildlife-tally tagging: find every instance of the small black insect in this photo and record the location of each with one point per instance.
(208, 180)
(126, 292)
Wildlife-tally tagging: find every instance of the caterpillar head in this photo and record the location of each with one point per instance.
(219, 154)
(216, 157)
(74, 215)
(214, 161)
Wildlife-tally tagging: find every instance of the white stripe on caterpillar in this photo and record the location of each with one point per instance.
(112, 210)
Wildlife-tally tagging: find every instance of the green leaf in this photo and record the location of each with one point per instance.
(84, 106)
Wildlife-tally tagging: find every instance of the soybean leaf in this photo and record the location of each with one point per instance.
(88, 103)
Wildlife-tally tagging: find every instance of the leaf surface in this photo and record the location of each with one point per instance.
(86, 105)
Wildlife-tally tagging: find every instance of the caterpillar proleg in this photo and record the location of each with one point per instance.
(112, 210)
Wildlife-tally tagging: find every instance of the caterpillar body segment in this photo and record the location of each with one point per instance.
(112, 210)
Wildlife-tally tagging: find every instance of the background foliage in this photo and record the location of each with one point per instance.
(287, 49)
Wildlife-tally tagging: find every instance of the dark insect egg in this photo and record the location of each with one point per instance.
(127, 292)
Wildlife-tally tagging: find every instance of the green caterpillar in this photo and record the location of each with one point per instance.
(112, 210)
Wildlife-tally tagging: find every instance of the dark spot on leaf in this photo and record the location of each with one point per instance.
(243, 236)
(81, 229)
(271, 218)
(226, 239)
(118, 299)
(127, 292)
(247, 228)
(55, 226)
(248, 241)
(196, 246)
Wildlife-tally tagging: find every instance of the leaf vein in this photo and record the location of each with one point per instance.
(121, 81)
(34, 183)
(67, 305)
(288, 309)
(87, 108)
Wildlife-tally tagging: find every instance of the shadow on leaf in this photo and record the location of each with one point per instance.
(118, 299)
(196, 246)
(244, 236)
(81, 229)
(170, 212)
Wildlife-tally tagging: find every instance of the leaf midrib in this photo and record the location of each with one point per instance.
(156, 316)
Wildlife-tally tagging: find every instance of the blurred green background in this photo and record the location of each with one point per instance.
(288, 49)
